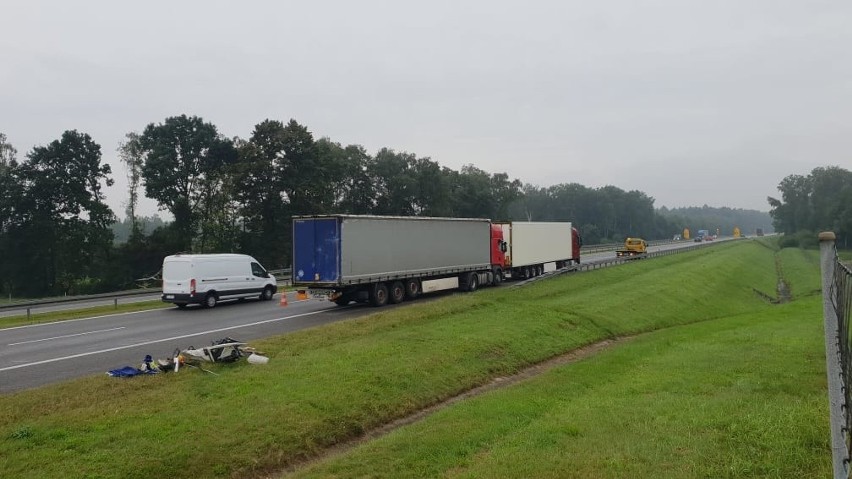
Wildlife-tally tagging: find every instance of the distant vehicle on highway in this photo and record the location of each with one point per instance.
(633, 247)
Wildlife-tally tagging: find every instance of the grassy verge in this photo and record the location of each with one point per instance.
(800, 269)
(330, 384)
(48, 317)
(738, 397)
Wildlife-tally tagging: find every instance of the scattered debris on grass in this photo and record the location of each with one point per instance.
(226, 350)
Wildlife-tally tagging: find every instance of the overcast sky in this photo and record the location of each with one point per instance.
(692, 102)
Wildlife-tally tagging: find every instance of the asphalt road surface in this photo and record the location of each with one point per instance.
(40, 354)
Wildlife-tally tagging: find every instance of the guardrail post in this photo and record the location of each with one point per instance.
(115, 302)
(28, 315)
(839, 453)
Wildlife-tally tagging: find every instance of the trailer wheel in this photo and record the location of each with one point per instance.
(412, 289)
(341, 302)
(379, 294)
(397, 292)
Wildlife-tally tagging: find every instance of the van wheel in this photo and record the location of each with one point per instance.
(379, 294)
(181, 305)
(397, 292)
(210, 300)
(267, 294)
(412, 289)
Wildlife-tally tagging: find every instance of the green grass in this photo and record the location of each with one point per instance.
(801, 270)
(330, 384)
(738, 397)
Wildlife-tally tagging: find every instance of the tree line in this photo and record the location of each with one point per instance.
(819, 201)
(239, 195)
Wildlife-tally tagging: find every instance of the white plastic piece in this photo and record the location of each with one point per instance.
(257, 359)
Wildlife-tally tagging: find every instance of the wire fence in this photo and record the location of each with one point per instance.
(837, 314)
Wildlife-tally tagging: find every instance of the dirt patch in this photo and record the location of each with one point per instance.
(496, 383)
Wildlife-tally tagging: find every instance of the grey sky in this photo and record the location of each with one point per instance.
(692, 102)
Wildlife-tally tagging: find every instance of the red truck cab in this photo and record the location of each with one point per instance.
(498, 252)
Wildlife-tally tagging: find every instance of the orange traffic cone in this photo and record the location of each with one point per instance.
(283, 301)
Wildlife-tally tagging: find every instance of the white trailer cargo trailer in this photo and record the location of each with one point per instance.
(533, 248)
(389, 258)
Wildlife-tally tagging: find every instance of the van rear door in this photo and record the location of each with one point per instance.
(177, 274)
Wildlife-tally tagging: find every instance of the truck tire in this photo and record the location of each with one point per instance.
(341, 302)
(412, 289)
(210, 300)
(473, 282)
(396, 293)
(498, 277)
(379, 294)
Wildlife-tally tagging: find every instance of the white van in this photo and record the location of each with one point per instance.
(208, 278)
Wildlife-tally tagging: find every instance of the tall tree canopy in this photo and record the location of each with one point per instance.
(819, 201)
(62, 223)
(184, 159)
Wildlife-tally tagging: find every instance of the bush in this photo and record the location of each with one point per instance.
(805, 239)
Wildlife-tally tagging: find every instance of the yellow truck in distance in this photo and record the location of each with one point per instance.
(633, 247)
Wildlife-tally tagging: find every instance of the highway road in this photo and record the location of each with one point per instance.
(36, 355)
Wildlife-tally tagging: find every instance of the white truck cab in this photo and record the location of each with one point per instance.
(208, 278)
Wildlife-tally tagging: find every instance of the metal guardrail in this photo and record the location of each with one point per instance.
(282, 277)
(837, 316)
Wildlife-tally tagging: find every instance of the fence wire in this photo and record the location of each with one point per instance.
(837, 311)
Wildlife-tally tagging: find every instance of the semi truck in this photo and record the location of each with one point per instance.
(535, 247)
(387, 259)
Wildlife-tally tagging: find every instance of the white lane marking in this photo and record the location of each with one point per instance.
(66, 336)
(64, 321)
(46, 361)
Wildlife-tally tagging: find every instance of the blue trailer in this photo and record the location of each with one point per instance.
(382, 259)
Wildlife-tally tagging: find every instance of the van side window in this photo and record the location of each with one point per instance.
(257, 270)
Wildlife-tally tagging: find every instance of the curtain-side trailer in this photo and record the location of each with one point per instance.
(533, 248)
(384, 259)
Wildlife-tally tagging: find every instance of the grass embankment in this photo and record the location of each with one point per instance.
(51, 316)
(330, 384)
(738, 397)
